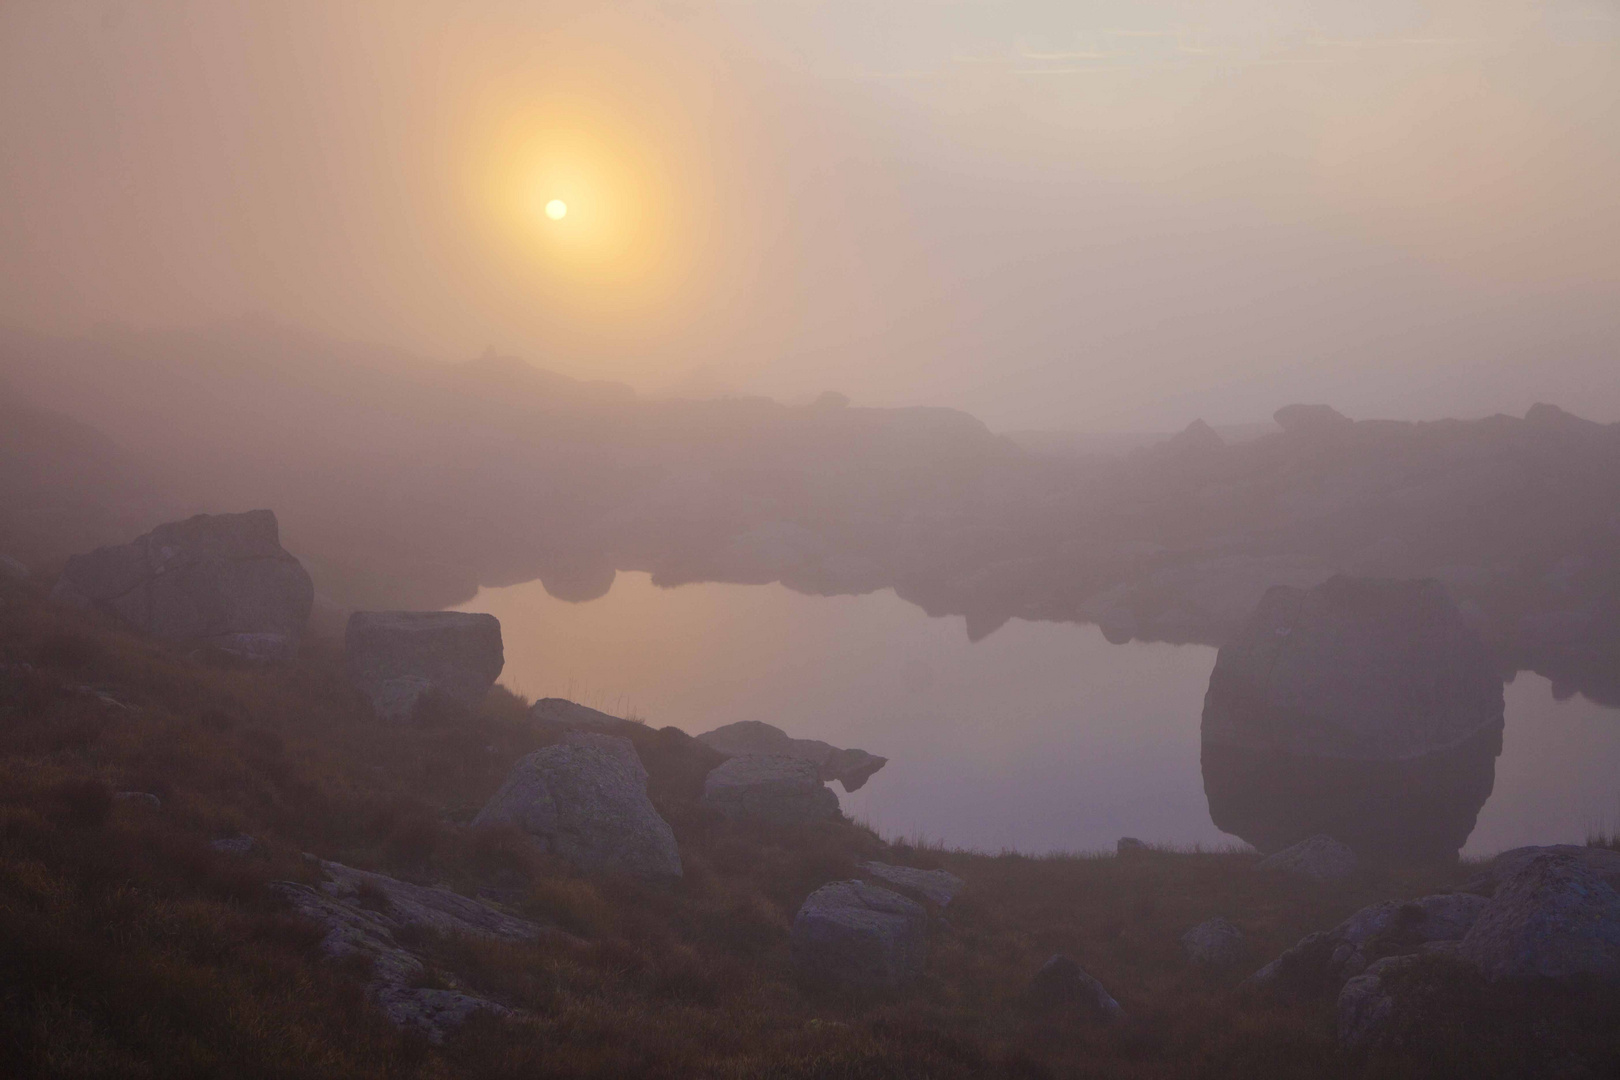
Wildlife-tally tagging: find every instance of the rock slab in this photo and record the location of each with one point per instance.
(936, 886)
(401, 659)
(851, 768)
(222, 580)
(854, 934)
(585, 798)
(361, 912)
(771, 788)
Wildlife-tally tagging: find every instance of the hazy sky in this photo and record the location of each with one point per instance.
(1105, 215)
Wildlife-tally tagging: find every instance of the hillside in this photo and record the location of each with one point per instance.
(131, 944)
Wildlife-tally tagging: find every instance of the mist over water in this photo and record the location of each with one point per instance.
(1041, 737)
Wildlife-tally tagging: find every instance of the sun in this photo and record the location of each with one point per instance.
(556, 209)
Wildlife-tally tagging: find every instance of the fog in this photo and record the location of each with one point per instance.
(1108, 217)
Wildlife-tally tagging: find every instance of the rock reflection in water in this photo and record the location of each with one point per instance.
(1366, 709)
(1418, 810)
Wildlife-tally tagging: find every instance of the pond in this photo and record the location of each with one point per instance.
(1041, 737)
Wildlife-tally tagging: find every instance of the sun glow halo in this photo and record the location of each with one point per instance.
(556, 209)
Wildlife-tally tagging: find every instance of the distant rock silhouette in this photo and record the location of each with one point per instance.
(222, 580)
(1366, 709)
(401, 659)
(852, 768)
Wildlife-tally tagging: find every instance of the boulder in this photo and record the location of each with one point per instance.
(1322, 961)
(852, 768)
(1062, 981)
(402, 659)
(361, 912)
(854, 934)
(1320, 858)
(222, 580)
(240, 844)
(1364, 708)
(585, 798)
(772, 788)
(1213, 943)
(1130, 845)
(936, 886)
(1555, 918)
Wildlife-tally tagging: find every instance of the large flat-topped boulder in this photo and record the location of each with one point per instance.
(772, 788)
(571, 714)
(214, 579)
(854, 934)
(400, 659)
(1364, 708)
(852, 768)
(585, 798)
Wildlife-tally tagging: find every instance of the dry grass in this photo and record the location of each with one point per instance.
(129, 948)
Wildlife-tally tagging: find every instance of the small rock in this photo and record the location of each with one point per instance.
(1129, 845)
(1321, 858)
(937, 886)
(774, 788)
(399, 659)
(1214, 943)
(1062, 980)
(855, 934)
(240, 844)
(586, 799)
(1366, 1004)
(140, 798)
(1555, 918)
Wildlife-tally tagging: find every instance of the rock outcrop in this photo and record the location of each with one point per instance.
(852, 768)
(1323, 961)
(1366, 709)
(936, 886)
(775, 789)
(1062, 980)
(222, 580)
(401, 660)
(1320, 858)
(1213, 943)
(853, 934)
(1556, 917)
(585, 798)
(362, 912)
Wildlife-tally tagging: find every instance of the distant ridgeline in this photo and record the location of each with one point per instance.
(402, 483)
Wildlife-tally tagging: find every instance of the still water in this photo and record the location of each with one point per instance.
(1041, 737)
